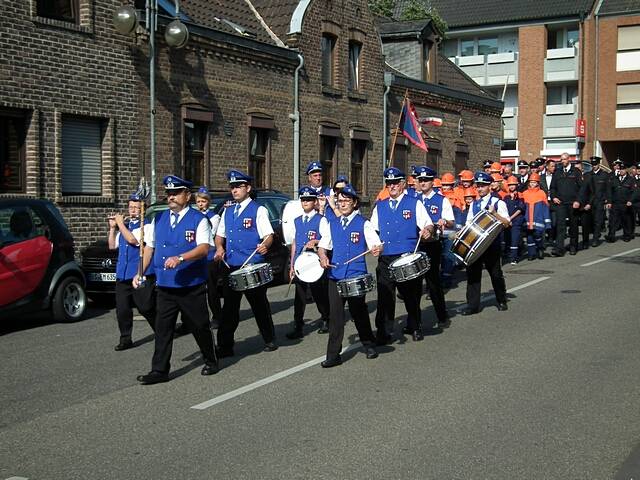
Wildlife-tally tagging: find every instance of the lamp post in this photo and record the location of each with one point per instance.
(125, 21)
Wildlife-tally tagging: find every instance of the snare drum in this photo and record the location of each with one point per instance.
(251, 276)
(356, 286)
(409, 266)
(307, 267)
(474, 239)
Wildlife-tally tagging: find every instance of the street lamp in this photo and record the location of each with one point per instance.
(125, 21)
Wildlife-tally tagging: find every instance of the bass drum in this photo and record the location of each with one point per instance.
(307, 267)
(474, 239)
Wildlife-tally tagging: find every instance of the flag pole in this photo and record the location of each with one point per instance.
(395, 134)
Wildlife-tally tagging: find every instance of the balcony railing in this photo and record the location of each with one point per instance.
(510, 123)
(490, 70)
(560, 120)
(561, 64)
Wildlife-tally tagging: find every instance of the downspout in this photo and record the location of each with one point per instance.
(596, 150)
(295, 116)
(388, 79)
(581, 49)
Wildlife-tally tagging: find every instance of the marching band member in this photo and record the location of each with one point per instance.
(307, 235)
(347, 236)
(125, 237)
(441, 214)
(178, 243)
(490, 259)
(449, 261)
(400, 220)
(244, 226)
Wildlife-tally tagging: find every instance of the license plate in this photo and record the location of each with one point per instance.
(102, 277)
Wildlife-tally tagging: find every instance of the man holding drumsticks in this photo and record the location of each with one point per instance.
(244, 233)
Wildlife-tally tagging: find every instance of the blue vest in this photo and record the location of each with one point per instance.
(347, 243)
(398, 228)
(129, 255)
(306, 231)
(174, 242)
(329, 213)
(433, 206)
(242, 234)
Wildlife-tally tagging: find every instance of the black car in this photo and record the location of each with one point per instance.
(99, 263)
(37, 266)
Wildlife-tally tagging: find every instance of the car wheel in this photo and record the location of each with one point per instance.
(69, 300)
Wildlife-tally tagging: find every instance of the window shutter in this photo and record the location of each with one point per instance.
(81, 156)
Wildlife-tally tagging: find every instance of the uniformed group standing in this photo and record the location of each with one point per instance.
(188, 250)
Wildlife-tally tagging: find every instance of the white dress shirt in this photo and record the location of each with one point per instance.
(447, 210)
(370, 235)
(499, 206)
(263, 225)
(422, 217)
(135, 231)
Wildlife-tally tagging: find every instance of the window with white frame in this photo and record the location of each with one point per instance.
(628, 106)
(562, 37)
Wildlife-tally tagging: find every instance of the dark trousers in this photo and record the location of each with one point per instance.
(320, 296)
(257, 298)
(513, 235)
(411, 292)
(566, 211)
(191, 302)
(552, 232)
(143, 298)
(491, 261)
(598, 220)
(586, 222)
(535, 243)
(432, 278)
(621, 216)
(213, 295)
(337, 320)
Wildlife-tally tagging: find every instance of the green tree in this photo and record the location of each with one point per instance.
(382, 8)
(418, 10)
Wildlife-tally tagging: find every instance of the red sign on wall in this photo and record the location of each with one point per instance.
(581, 128)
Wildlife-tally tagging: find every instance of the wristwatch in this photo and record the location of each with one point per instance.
(181, 258)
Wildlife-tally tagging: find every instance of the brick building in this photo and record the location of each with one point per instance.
(555, 62)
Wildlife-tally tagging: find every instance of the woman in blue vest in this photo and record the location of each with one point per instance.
(307, 235)
(124, 236)
(244, 227)
(178, 245)
(441, 214)
(347, 236)
(400, 220)
(491, 258)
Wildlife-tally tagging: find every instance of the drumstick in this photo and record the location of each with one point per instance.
(250, 256)
(225, 263)
(419, 238)
(289, 286)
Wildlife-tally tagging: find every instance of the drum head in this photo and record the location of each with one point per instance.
(406, 259)
(307, 267)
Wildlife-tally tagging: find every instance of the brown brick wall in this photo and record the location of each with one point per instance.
(531, 90)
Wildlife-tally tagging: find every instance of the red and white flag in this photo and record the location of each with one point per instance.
(435, 121)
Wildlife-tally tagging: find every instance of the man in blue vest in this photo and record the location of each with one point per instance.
(124, 236)
(244, 227)
(441, 213)
(314, 175)
(178, 245)
(400, 220)
(307, 235)
(347, 236)
(491, 258)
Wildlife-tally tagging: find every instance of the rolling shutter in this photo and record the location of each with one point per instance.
(81, 156)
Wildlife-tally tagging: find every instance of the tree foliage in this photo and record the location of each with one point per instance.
(382, 8)
(414, 10)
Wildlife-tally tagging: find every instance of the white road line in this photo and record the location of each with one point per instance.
(17, 478)
(610, 257)
(303, 366)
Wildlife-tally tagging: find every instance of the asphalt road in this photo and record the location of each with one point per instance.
(547, 390)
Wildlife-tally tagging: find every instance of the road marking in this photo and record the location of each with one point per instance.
(610, 257)
(17, 478)
(303, 366)
(265, 381)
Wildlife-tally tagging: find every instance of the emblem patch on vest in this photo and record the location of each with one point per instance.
(189, 235)
(247, 222)
(433, 209)
(311, 235)
(406, 214)
(355, 237)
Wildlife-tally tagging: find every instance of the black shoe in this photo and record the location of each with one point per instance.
(626, 239)
(610, 240)
(371, 352)
(572, 251)
(180, 330)
(531, 259)
(469, 311)
(295, 333)
(324, 328)
(557, 253)
(152, 378)
(417, 335)
(595, 243)
(270, 347)
(334, 362)
(123, 345)
(502, 307)
(383, 339)
(224, 352)
(446, 323)
(585, 245)
(210, 369)
(435, 330)
(407, 331)
(540, 255)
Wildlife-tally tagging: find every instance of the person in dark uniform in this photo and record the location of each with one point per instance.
(244, 227)
(545, 186)
(178, 245)
(623, 192)
(307, 235)
(346, 237)
(124, 236)
(490, 259)
(441, 213)
(400, 220)
(636, 201)
(565, 191)
(596, 196)
(522, 175)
